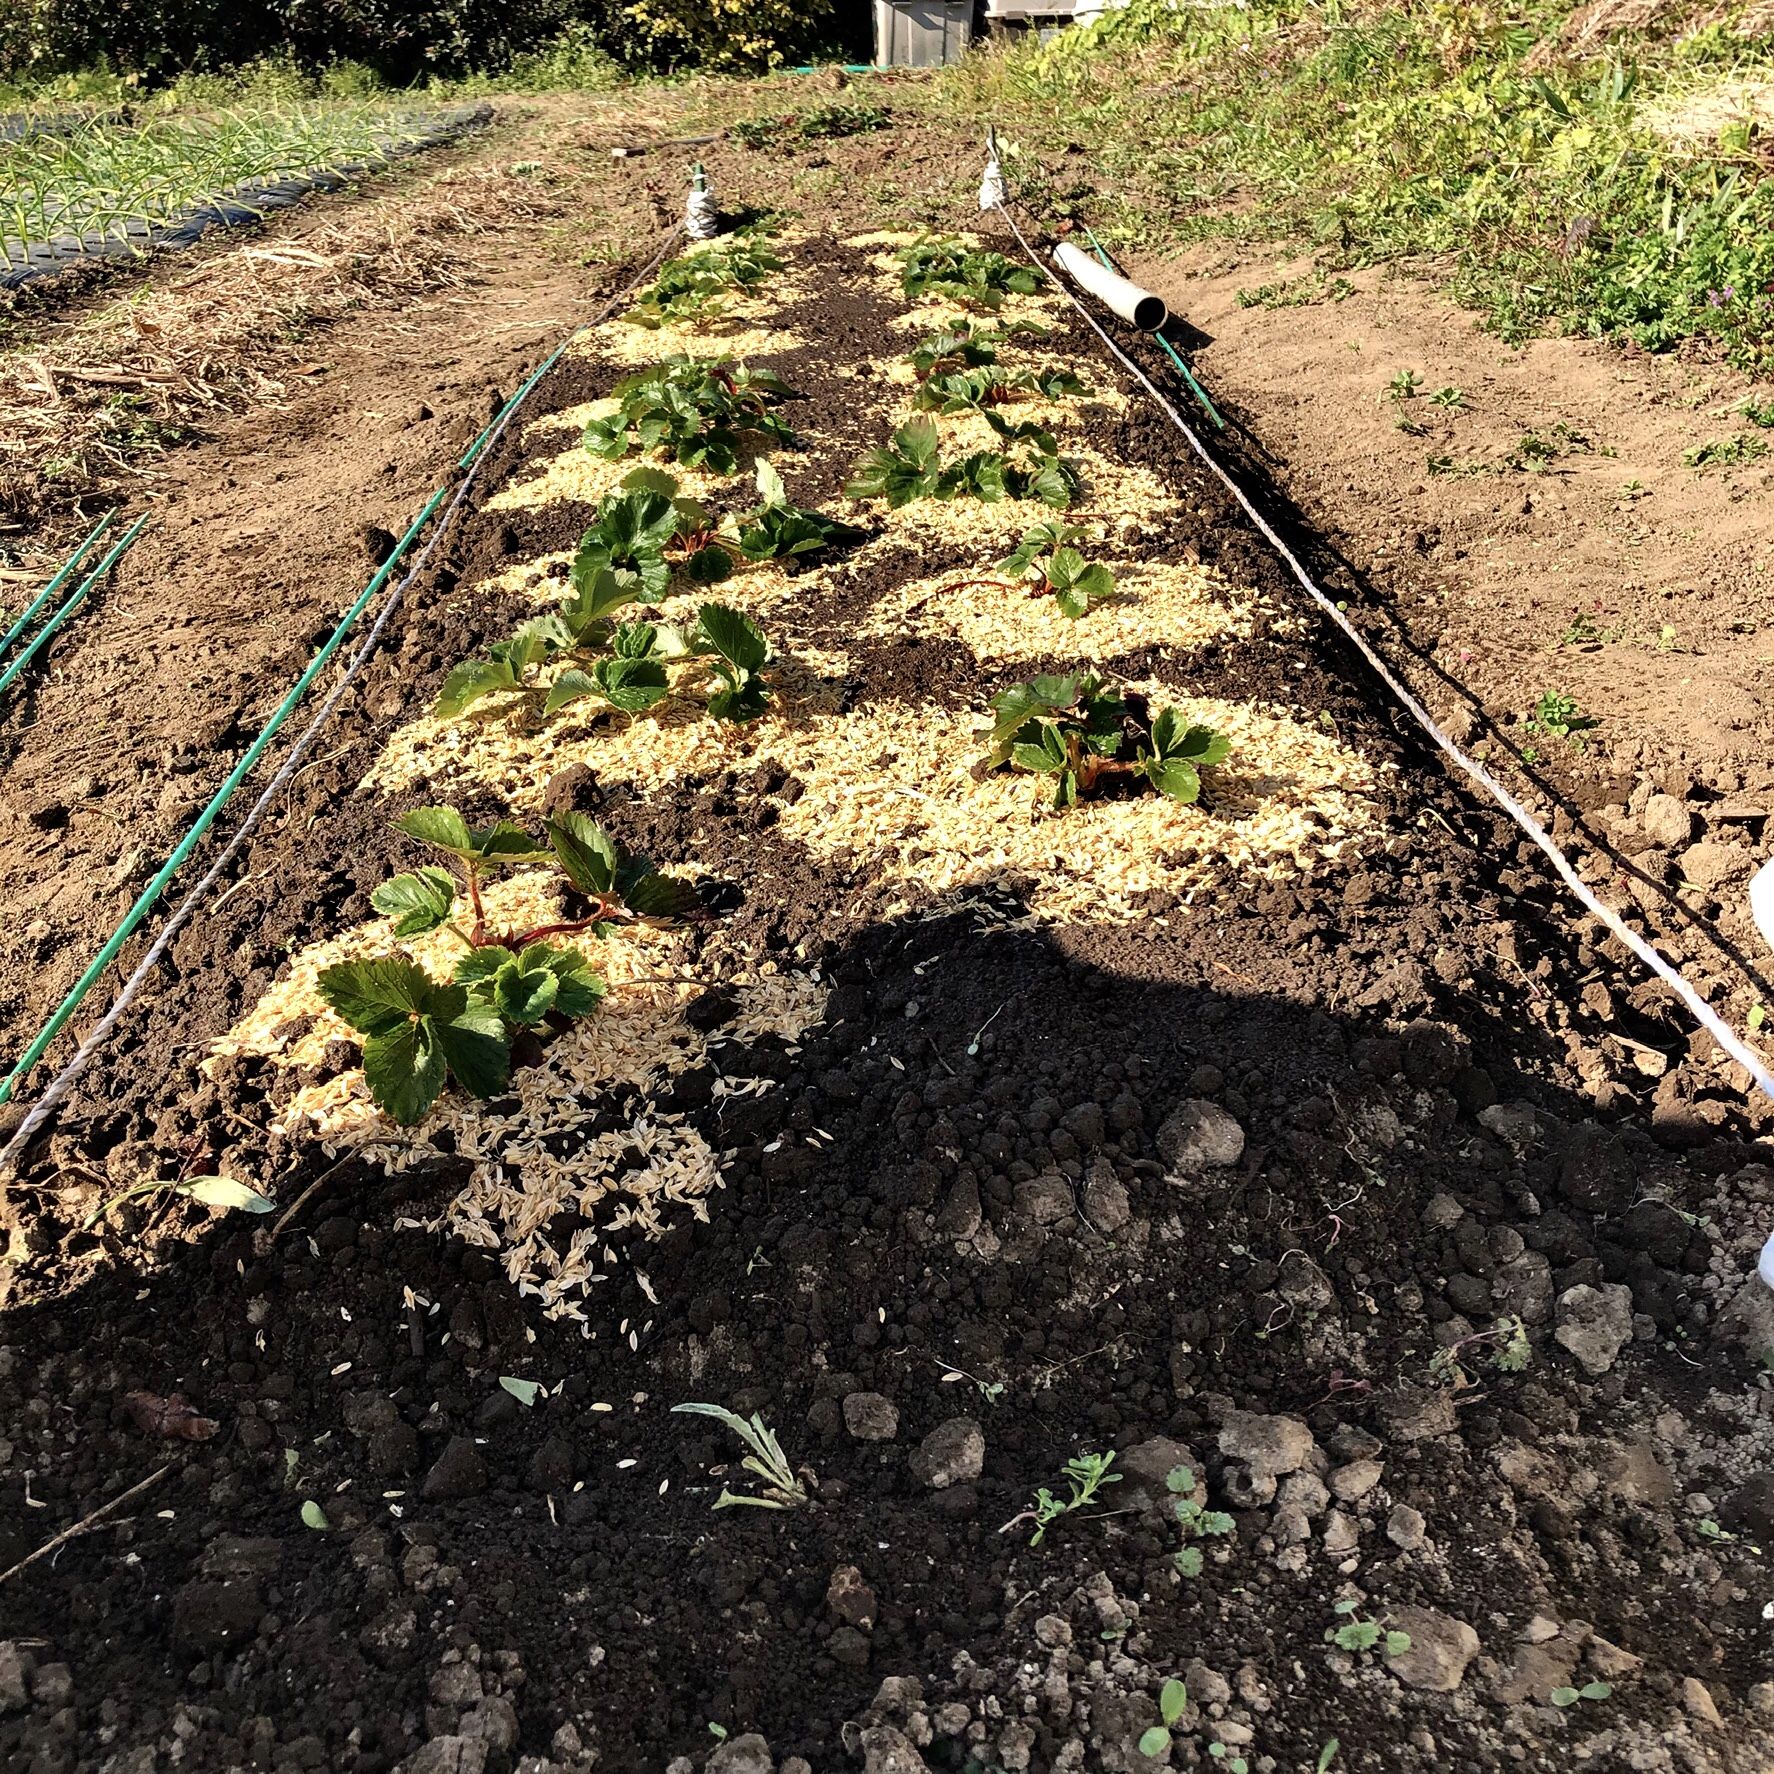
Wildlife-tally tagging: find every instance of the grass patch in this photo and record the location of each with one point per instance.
(99, 176)
(1576, 191)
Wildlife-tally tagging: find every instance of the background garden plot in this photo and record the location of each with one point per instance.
(105, 187)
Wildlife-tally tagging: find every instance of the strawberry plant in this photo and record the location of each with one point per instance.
(910, 467)
(961, 391)
(419, 1032)
(694, 286)
(976, 279)
(963, 346)
(957, 370)
(1046, 560)
(624, 664)
(1089, 740)
(627, 556)
(696, 411)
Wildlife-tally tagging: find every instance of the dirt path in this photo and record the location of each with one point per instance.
(264, 531)
(1543, 535)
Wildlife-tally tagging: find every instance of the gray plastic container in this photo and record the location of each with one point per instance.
(922, 33)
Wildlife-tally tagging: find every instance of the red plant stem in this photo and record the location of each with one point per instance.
(480, 911)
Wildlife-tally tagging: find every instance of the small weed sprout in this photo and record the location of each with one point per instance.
(1449, 397)
(1085, 1476)
(1557, 715)
(1589, 1691)
(783, 1488)
(1507, 1342)
(1405, 385)
(1173, 1702)
(1758, 412)
(1196, 1520)
(1358, 1634)
(1228, 1759)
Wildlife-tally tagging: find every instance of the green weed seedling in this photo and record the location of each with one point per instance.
(1357, 1634)
(783, 1488)
(1085, 1476)
(696, 411)
(1405, 385)
(419, 1032)
(1449, 397)
(981, 280)
(1758, 412)
(1086, 739)
(695, 286)
(1558, 716)
(1736, 451)
(1173, 1702)
(1196, 1520)
(910, 467)
(1589, 1691)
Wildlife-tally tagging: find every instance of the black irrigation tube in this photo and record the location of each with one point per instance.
(245, 206)
(469, 471)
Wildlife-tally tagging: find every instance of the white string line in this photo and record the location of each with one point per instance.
(65, 1081)
(1708, 1018)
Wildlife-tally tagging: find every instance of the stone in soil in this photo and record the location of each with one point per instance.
(952, 1453)
(1441, 1648)
(1595, 1324)
(1199, 1136)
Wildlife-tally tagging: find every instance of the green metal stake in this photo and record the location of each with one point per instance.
(74, 602)
(1170, 350)
(63, 575)
(207, 817)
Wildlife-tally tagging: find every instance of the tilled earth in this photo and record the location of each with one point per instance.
(1244, 1185)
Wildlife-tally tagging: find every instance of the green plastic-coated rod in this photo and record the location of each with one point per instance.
(207, 817)
(63, 575)
(75, 600)
(517, 400)
(1170, 350)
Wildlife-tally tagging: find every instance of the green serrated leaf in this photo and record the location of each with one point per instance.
(405, 1069)
(587, 854)
(441, 827)
(734, 636)
(417, 902)
(375, 997)
(571, 686)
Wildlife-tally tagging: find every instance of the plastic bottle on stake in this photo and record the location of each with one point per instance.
(700, 215)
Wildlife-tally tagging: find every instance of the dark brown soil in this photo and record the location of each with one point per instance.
(964, 1194)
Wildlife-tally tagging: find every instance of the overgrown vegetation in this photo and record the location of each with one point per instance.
(822, 123)
(1088, 739)
(1596, 190)
(419, 1032)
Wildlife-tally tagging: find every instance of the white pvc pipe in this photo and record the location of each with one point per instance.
(1136, 306)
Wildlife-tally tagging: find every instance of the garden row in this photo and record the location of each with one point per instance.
(857, 906)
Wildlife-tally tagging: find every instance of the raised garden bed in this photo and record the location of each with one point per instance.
(957, 1138)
